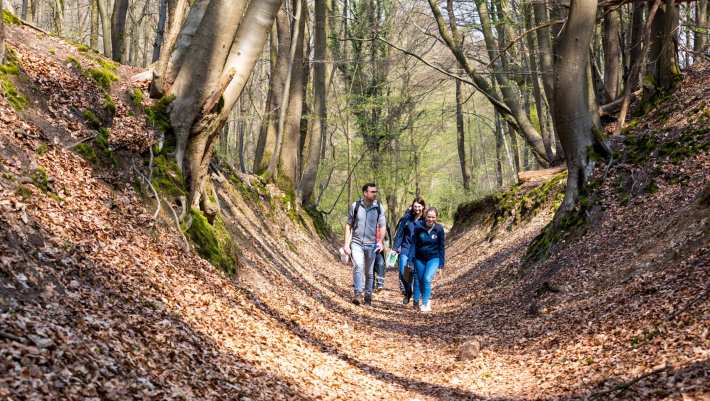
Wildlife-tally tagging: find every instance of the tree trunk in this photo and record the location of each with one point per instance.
(160, 32)
(281, 132)
(700, 38)
(171, 54)
(465, 175)
(105, 26)
(94, 31)
(289, 155)
(118, 29)
(544, 43)
(537, 93)
(280, 45)
(573, 119)
(58, 16)
(612, 54)
(662, 70)
(23, 9)
(2, 33)
(636, 38)
(499, 152)
(320, 121)
(204, 93)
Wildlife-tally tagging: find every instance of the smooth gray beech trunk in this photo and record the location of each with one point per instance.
(702, 33)
(461, 138)
(612, 53)
(160, 32)
(101, 6)
(320, 117)
(574, 121)
(118, 29)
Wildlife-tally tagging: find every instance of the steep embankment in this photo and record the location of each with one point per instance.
(99, 299)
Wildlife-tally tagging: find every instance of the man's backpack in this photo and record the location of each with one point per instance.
(357, 208)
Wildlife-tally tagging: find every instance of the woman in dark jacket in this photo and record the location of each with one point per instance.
(427, 249)
(402, 241)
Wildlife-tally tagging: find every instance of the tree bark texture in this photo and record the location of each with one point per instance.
(662, 70)
(612, 53)
(118, 29)
(701, 34)
(2, 34)
(636, 38)
(94, 30)
(572, 116)
(160, 31)
(320, 117)
(461, 141)
(102, 6)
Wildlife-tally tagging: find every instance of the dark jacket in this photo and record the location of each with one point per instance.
(427, 245)
(403, 233)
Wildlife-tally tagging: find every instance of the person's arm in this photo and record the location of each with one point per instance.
(398, 235)
(442, 248)
(348, 230)
(412, 242)
(381, 231)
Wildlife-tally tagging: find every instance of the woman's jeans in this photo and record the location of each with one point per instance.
(424, 270)
(406, 286)
(363, 257)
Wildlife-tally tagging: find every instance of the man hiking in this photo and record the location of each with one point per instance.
(364, 232)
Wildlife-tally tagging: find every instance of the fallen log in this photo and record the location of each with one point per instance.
(539, 175)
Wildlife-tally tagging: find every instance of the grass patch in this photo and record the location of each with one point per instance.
(23, 192)
(10, 18)
(213, 242)
(92, 119)
(108, 104)
(42, 149)
(74, 62)
(102, 76)
(82, 48)
(98, 152)
(137, 97)
(9, 90)
(41, 180)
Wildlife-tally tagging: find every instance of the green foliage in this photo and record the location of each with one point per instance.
(40, 179)
(103, 77)
(74, 62)
(213, 242)
(82, 48)
(158, 114)
(137, 97)
(23, 192)
(10, 18)
(42, 149)
(13, 96)
(108, 104)
(92, 119)
(107, 64)
(167, 178)
(99, 151)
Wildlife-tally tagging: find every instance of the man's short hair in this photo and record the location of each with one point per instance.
(368, 186)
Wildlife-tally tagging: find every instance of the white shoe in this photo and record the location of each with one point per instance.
(426, 307)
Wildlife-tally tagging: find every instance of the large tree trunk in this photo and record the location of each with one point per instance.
(612, 54)
(118, 29)
(58, 16)
(170, 53)
(216, 92)
(284, 107)
(320, 121)
(101, 6)
(160, 32)
(280, 45)
(290, 150)
(544, 43)
(636, 38)
(461, 142)
(574, 121)
(199, 74)
(662, 70)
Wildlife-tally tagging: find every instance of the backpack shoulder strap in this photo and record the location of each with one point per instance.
(355, 210)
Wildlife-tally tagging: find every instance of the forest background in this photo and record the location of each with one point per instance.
(395, 110)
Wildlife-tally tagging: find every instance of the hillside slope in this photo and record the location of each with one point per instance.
(100, 300)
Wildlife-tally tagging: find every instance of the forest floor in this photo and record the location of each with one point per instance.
(99, 300)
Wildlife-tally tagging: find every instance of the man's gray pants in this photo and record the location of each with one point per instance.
(363, 257)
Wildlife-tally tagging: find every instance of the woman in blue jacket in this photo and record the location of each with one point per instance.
(402, 241)
(427, 249)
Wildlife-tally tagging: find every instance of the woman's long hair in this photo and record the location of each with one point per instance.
(418, 200)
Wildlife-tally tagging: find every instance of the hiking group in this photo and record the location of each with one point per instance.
(418, 245)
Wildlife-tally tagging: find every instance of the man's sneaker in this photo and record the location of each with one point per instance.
(405, 300)
(368, 299)
(356, 299)
(378, 289)
(426, 307)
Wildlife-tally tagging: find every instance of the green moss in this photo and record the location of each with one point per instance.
(158, 115)
(40, 179)
(541, 247)
(213, 242)
(167, 178)
(23, 192)
(102, 76)
(137, 97)
(322, 228)
(42, 149)
(74, 62)
(82, 48)
(92, 119)
(52, 51)
(107, 64)
(10, 18)
(16, 100)
(108, 104)
(87, 152)
(9, 69)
